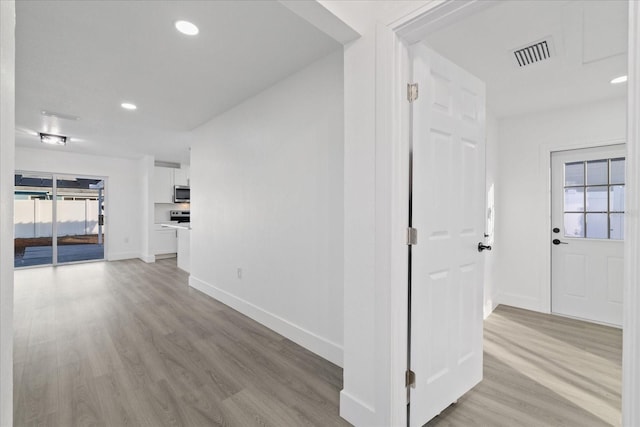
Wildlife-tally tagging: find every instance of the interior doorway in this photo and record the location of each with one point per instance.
(58, 219)
(566, 91)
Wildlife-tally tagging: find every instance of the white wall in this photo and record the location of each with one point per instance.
(7, 144)
(267, 198)
(123, 217)
(522, 237)
(145, 176)
(376, 203)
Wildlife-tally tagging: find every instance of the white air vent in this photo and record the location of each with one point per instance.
(533, 53)
(53, 114)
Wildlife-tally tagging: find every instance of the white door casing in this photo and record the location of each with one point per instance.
(586, 273)
(448, 212)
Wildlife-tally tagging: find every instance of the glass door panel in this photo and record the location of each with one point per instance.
(33, 219)
(79, 224)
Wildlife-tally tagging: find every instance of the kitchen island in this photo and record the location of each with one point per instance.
(184, 243)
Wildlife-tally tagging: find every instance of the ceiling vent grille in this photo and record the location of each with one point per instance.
(533, 53)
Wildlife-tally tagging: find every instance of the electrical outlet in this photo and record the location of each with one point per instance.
(239, 273)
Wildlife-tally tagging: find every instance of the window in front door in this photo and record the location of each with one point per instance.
(594, 199)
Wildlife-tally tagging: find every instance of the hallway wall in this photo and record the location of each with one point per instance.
(267, 207)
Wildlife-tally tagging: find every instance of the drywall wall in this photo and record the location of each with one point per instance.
(267, 207)
(123, 215)
(376, 204)
(7, 144)
(522, 196)
(145, 178)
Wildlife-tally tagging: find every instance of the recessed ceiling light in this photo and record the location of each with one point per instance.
(186, 27)
(128, 106)
(617, 80)
(48, 138)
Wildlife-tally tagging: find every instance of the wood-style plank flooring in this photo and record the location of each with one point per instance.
(543, 370)
(130, 344)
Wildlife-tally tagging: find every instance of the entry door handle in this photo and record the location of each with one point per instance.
(558, 242)
(482, 247)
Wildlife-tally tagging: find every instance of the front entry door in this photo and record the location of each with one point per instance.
(587, 233)
(448, 187)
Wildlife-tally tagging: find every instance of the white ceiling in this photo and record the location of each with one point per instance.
(84, 58)
(590, 40)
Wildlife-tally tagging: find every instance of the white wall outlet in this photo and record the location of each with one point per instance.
(239, 273)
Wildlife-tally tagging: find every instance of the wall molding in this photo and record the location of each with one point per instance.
(147, 258)
(631, 321)
(519, 301)
(356, 411)
(7, 170)
(307, 339)
(117, 256)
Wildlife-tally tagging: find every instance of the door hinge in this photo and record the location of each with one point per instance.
(412, 91)
(410, 379)
(412, 236)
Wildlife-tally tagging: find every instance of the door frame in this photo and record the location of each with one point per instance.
(545, 187)
(548, 260)
(54, 215)
(393, 135)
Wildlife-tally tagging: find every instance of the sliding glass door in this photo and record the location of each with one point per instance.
(79, 224)
(58, 219)
(33, 219)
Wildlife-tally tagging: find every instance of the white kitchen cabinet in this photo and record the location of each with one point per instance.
(162, 185)
(181, 176)
(163, 181)
(165, 241)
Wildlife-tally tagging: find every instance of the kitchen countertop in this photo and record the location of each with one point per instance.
(177, 225)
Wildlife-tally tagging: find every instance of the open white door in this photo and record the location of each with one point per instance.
(587, 248)
(448, 187)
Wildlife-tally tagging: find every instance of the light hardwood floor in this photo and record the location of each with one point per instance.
(130, 344)
(543, 370)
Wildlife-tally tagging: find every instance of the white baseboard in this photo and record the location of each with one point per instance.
(489, 306)
(355, 411)
(519, 301)
(122, 255)
(147, 258)
(307, 339)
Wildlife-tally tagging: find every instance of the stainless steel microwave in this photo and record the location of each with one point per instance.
(181, 194)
